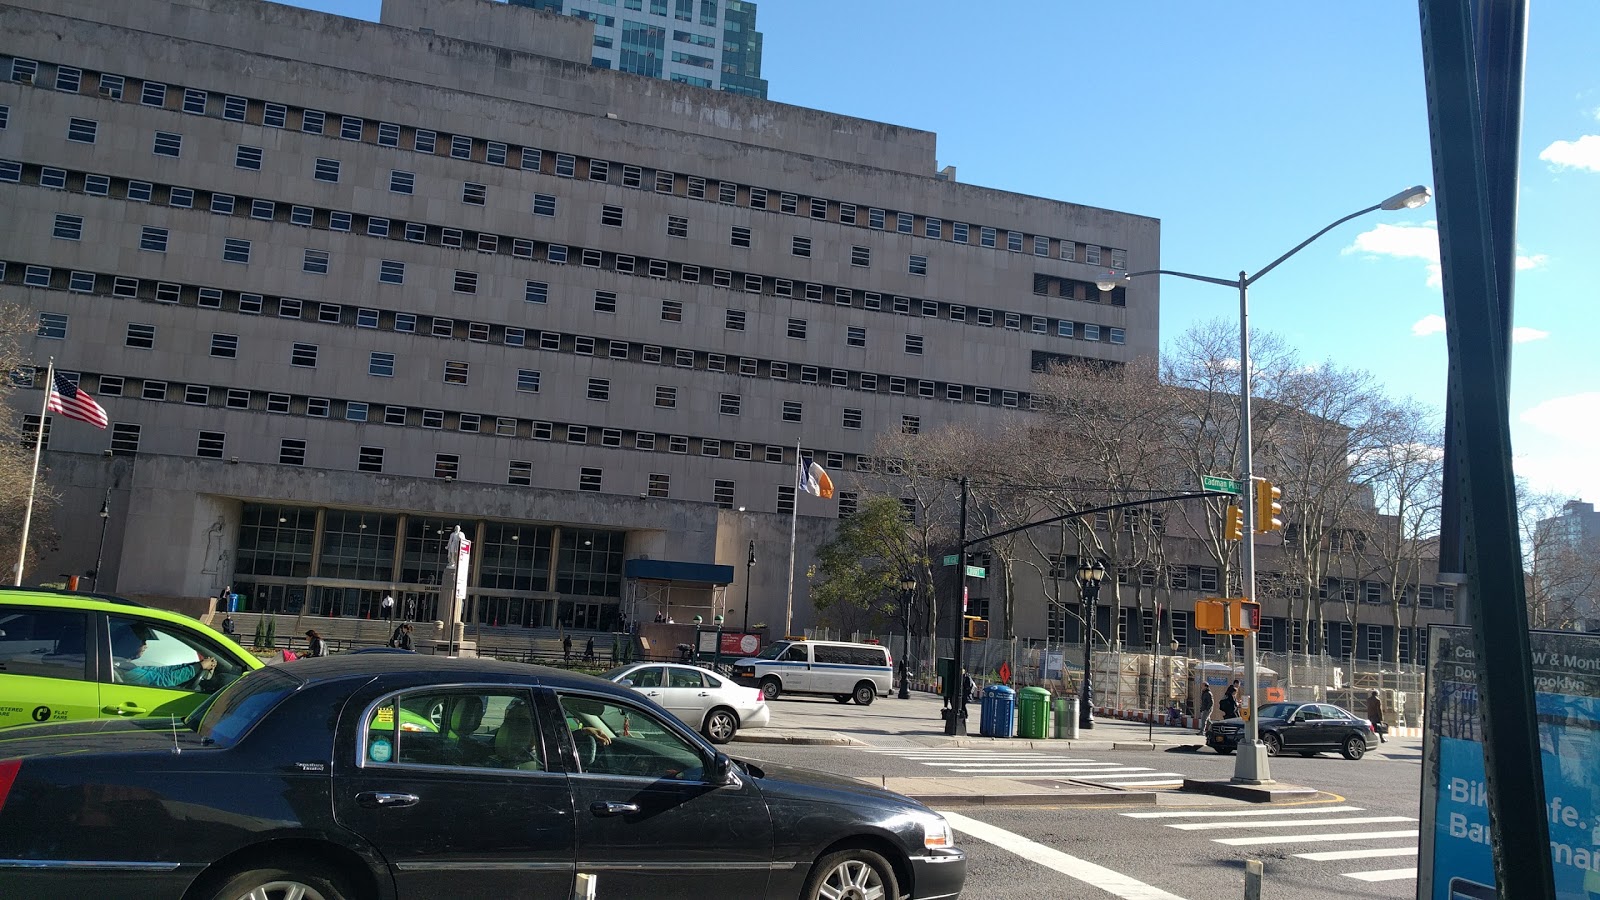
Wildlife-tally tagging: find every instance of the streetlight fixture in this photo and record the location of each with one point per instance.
(749, 562)
(100, 555)
(1251, 766)
(907, 586)
(1090, 574)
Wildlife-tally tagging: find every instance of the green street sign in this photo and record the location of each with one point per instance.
(977, 572)
(1215, 483)
(952, 559)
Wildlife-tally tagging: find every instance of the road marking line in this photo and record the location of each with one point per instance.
(1290, 823)
(1139, 783)
(1383, 874)
(1336, 855)
(1076, 767)
(1244, 812)
(1053, 772)
(1108, 880)
(1314, 838)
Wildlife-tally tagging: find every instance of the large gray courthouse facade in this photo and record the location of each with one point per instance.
(344, 286)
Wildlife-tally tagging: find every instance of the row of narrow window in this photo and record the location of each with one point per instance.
(197, 101)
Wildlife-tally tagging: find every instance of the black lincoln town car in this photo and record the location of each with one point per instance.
(387, 775)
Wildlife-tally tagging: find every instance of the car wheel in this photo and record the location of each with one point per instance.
(770, 688)
(720, 727)
(865, 693)
(290, 881)
(1354, 747)
(842, 698)
(853, 874)
(1273, 743)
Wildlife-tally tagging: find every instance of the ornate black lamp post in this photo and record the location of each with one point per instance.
(749, 561)
(1090, 574)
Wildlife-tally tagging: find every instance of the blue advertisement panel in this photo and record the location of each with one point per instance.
(1458, 862)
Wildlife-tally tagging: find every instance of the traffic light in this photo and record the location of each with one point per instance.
(1210, 615)
(1247, 616)
(977, 628)
(1233, 524)
(1269, 512)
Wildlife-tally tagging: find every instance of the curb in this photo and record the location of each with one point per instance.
(829, 739)
(1253, 793)
(1097, 798)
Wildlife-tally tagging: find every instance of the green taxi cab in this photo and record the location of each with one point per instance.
(68, 656)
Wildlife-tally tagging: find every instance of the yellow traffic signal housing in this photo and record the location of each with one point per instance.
(1246, 616)
(1269, 511)
(977, 628)
(1233, 524)
(1211, 615)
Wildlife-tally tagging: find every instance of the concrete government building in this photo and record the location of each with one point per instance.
(343, 286)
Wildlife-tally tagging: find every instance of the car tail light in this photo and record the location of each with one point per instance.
(8, 776)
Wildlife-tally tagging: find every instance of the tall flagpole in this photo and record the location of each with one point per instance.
(38, 448)
(794, 521)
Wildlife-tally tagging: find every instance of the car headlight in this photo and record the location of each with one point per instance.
(936, 832)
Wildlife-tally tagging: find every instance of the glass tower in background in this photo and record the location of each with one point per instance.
(707, 43)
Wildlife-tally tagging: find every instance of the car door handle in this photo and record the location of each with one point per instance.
(132, 709)
(386, 800)
(605, 808)
(704, 694)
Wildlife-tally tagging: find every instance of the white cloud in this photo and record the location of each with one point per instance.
(1558, 455)
(1524, 334)
(1420, 242)
(1429, 324)
(1583, 153)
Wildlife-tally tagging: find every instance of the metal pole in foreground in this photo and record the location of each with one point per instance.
(100, 555)
(907, 586)
(956, 724)
(1089, 575)
(1252, 766)
(749, 561)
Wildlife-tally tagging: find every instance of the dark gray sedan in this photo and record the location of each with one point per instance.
(1303, 728)
(387, 776)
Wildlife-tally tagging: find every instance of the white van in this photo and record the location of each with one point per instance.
(841, 670)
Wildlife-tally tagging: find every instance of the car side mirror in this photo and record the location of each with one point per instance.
(1296, 719)
(722, 772)
(625, 682)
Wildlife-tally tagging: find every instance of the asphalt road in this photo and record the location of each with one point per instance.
(1186, 846)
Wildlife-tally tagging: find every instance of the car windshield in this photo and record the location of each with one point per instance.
(242, 704)
(1278, 710)
(773, 651)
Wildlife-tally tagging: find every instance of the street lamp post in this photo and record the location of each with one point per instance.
(100, 555)
(907, 586)
(1090, 574)
(749, 562)
(1251, 766)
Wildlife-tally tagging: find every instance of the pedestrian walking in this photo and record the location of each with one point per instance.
(401, 639)
(1229, 707)
(588, 650)
(315, 645)
(225, 599)
(1375, 716)
(1207, 701)
(388, 607)
(228, 627)
(566, 648)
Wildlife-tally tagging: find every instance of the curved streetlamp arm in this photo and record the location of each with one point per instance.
(1225, 282)
(1302, 245)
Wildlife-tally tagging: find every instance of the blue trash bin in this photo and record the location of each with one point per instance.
(999, 706)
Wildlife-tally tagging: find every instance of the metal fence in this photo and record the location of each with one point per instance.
(1137, 679)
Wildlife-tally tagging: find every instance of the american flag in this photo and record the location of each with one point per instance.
(75, 403)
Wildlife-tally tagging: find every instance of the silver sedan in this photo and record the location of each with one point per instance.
(701, 698)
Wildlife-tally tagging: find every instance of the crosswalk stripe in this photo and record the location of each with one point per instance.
(1313, 838)
(1383, 874)
(1290, 823)
(1108, 880)
(1154, 783)
(1336, 855)
(1301, 811)
(1054, 771)
(1019, 763)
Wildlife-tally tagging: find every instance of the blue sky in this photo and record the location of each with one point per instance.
(1244, 127)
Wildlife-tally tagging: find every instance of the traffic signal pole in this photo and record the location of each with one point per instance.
(956, 722)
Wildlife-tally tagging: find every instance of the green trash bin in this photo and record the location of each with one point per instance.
(1033, 721)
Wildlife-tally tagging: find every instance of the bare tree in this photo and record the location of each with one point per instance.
(17, 447)
(1562, 575)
